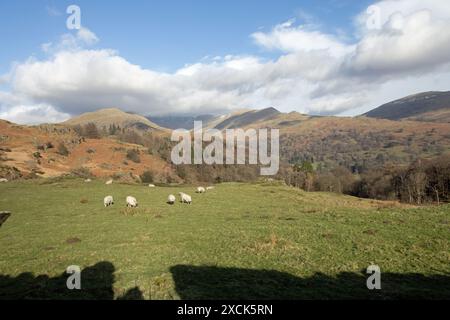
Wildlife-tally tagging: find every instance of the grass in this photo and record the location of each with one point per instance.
(236, 241)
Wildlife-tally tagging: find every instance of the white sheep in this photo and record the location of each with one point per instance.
(171, 199)
(3, 180)
(201, 190)
(185, 198)
(108, 201)
(87, 180)
(209, 188)
(131, 202)
(110, 181)
(151, 185)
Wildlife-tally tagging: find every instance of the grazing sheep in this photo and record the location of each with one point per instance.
(3, 180)
(131, 202)
(171, 199)
(110, 181)
(87, 180)
(201, 190)
(108, 200)
(151, 185)
(185, 198)
(209, 188)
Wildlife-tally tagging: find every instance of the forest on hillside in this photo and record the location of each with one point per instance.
(345, 162)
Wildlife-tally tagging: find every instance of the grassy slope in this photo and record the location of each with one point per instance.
(236, 241)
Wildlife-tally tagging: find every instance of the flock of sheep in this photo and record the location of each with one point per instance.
(131, 201)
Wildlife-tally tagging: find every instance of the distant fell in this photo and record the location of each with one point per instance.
(433, 106)
(109, 116)
(247, 119)
(181, 122)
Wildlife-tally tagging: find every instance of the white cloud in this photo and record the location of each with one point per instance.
(33, 114)
(422, 43)
(289, 38)
(71, 42)
(387, 8)
(86, 36)
(316, 72)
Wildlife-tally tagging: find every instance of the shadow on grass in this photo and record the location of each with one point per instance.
(96, 283)
(208, 282)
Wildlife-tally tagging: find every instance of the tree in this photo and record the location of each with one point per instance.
(131, 136)
(147, 176)
(62, 149)
(304, 175)
(133, 155)
(91, 131)
(418, 181)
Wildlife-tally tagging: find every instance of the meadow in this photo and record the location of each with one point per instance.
(240, 241)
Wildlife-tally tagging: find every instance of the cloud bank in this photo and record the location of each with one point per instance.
(316, 72)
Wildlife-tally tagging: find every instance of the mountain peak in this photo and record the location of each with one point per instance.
(108, 116)
(270, 109)
(425, 106)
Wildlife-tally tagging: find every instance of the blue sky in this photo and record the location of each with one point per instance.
(163, 35)
(329, 57)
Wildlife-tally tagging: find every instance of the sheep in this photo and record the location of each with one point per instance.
(185, 198)
(131, 202)
(209, 188)
(171, 199)
(151, 185)
(3, 180)
(201, 190)
(110, 181)
(108, 201)
(87, 180)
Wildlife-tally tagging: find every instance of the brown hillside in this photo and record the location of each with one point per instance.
(363, 142)
(442, 115)
(104, 157)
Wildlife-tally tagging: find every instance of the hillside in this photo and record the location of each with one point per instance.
(363, 143)
(106, 117)
(245, 119)
(427, 106)
(358, 143)
(35, 150)
(256, 119)
(184, 122)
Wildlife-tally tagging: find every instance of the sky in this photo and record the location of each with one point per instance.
(158, 58)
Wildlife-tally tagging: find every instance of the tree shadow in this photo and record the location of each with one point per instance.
(209, 282)
(96, 284)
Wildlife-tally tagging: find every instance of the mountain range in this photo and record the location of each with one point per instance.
(426, 106)
(396, 133)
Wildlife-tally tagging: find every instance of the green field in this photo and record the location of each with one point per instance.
(262, 240)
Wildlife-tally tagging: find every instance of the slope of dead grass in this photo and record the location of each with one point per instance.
(108, 158)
